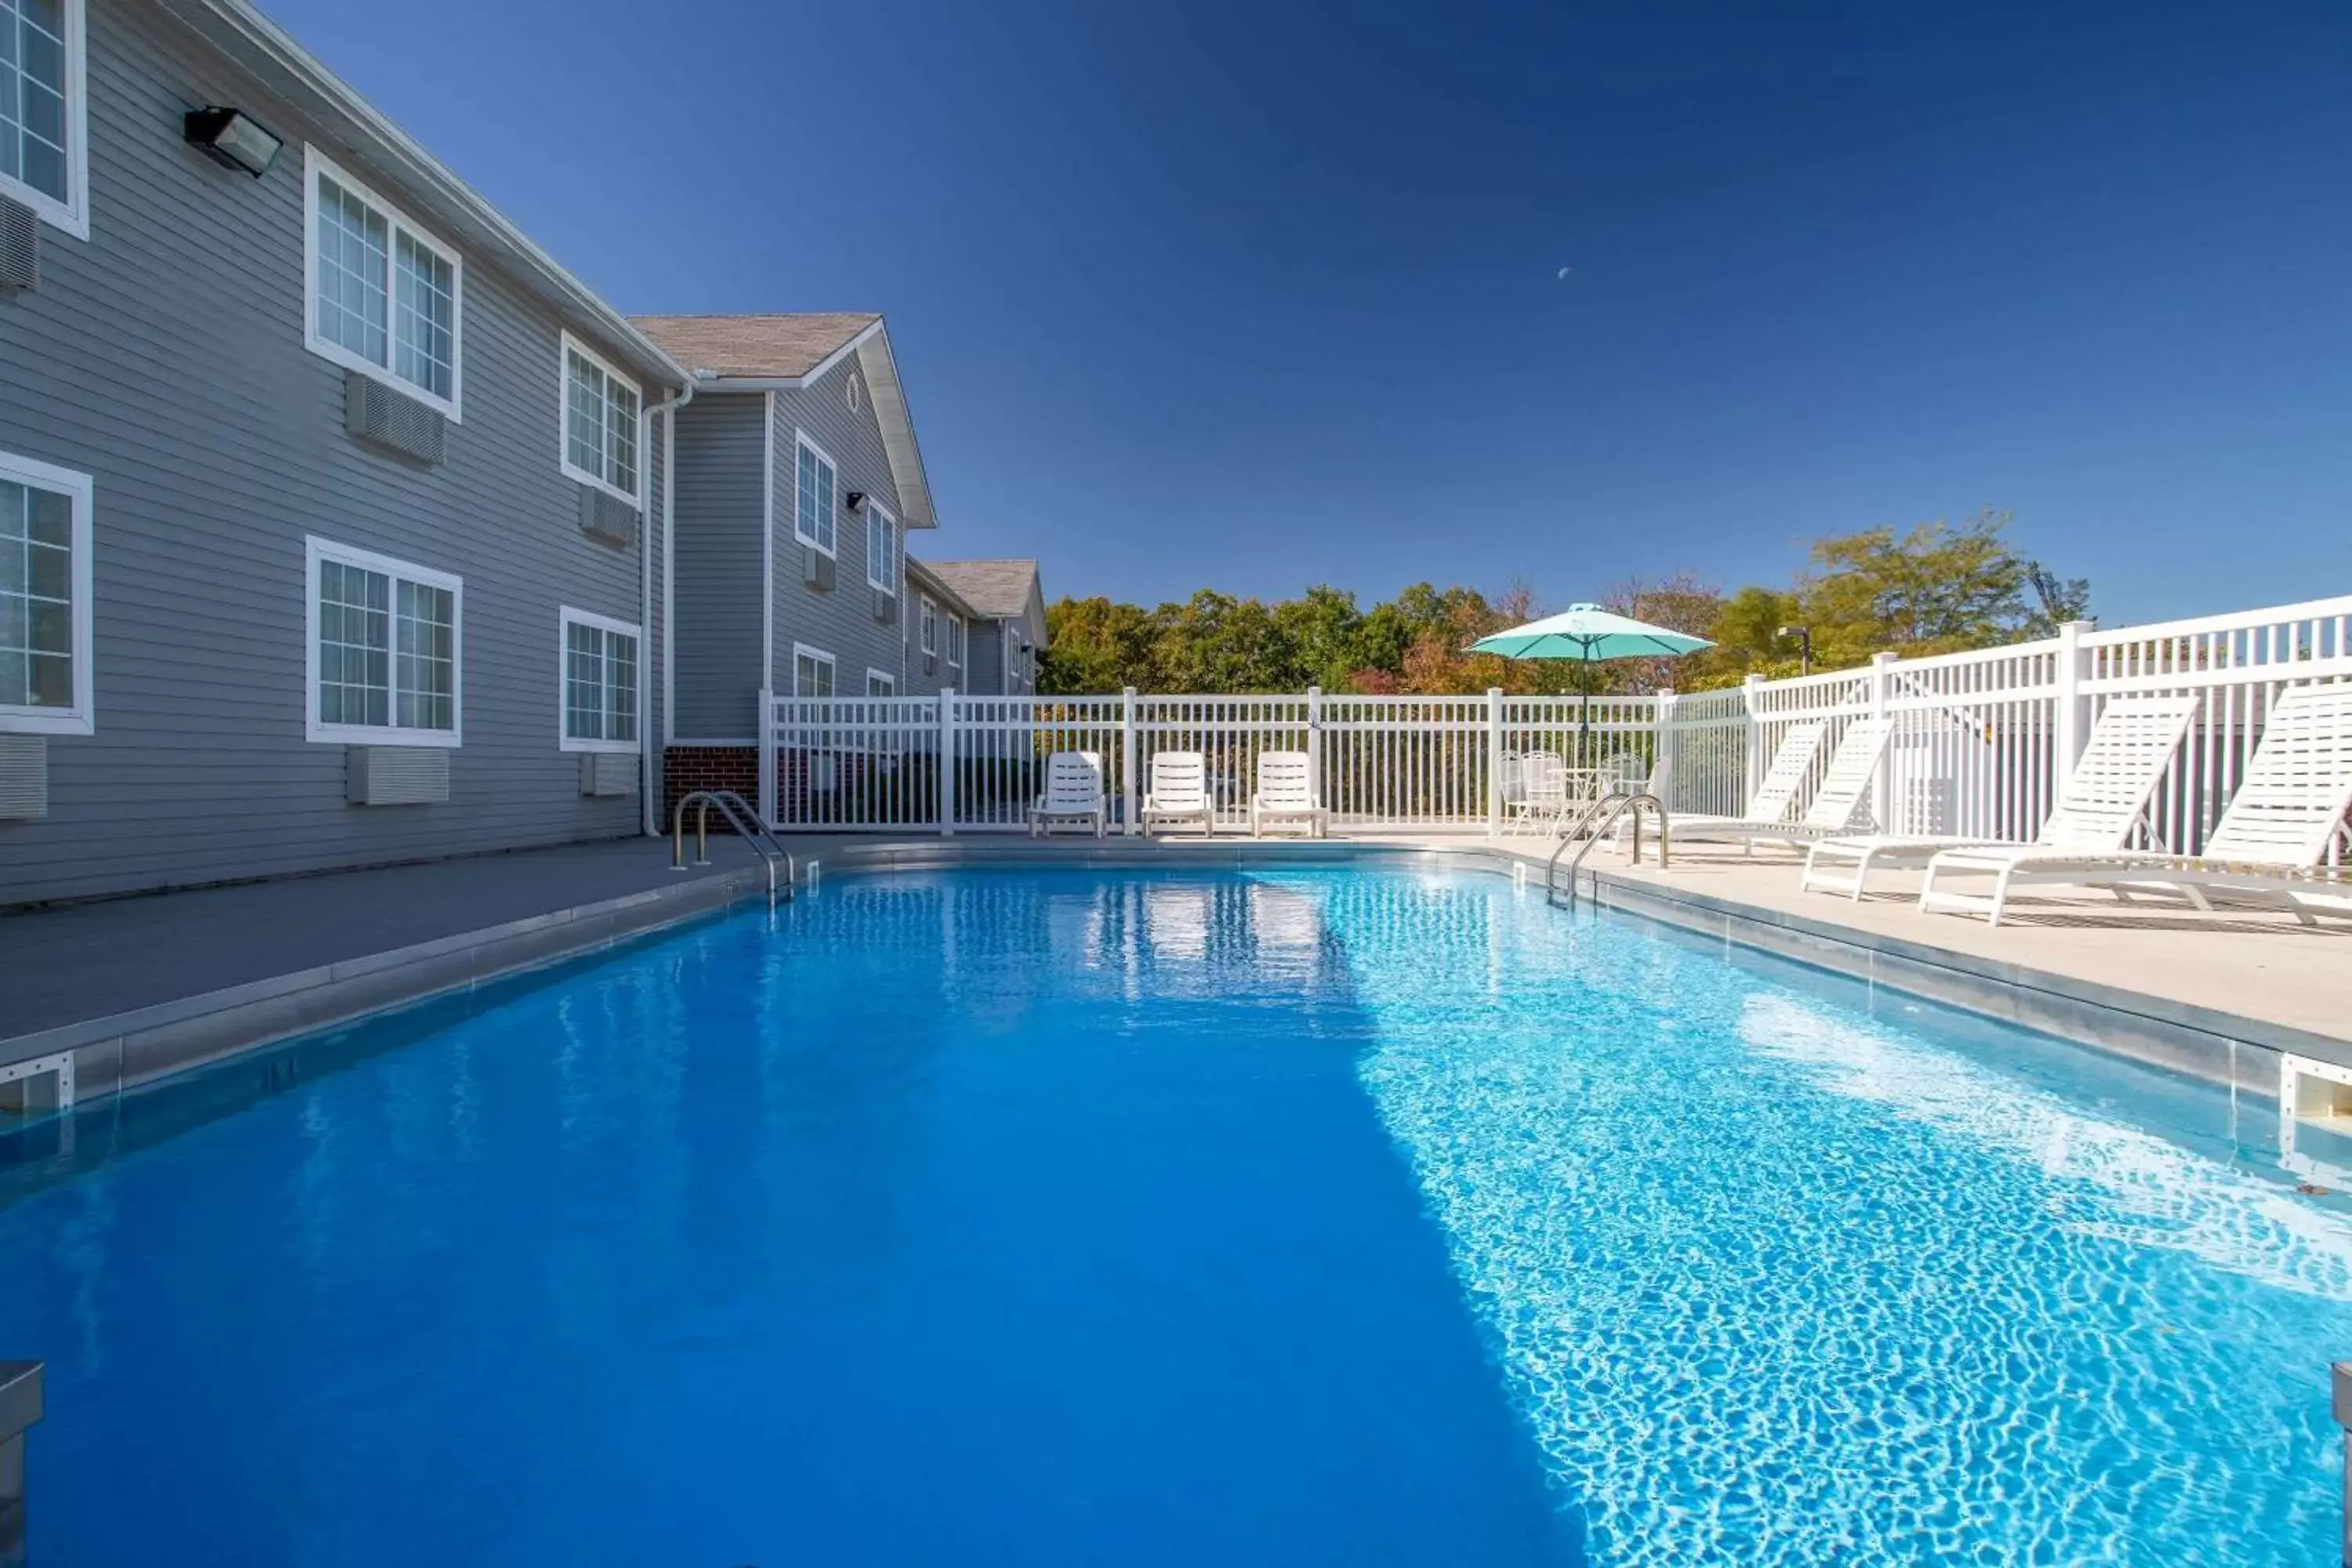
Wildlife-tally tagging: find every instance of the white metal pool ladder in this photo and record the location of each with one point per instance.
(1616, 803)
(739, 815)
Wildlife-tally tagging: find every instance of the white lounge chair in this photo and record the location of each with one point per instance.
(1775, 794)
(1835, 807)
(1179, 792)
(2100, 804)
(2272, 838)
(1286, 793)
(1074, 795)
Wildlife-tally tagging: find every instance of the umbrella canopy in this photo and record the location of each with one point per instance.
(1588, 632)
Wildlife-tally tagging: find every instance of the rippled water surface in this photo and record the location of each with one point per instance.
(1286, 1218)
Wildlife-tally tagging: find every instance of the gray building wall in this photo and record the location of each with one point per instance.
(722, 444)
(841, 620)
(165, 357)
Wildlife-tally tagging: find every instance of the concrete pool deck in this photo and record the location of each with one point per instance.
(133, 989)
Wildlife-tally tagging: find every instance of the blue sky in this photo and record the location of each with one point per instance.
(1250, 295)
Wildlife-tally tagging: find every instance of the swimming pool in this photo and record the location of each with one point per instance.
(1290, 1216)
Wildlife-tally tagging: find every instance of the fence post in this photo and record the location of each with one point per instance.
(1752, 690)
(948, 763)
(2073, 709)
(1882, 781)
(1314, 744)
(1129, 809)
(1661, 755)
(767, 733)
(1494, 762)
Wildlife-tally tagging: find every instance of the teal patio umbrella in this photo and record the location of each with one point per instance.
(1589, 634)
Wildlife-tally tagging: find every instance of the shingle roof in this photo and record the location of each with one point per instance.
(789, 346)
(997, 589)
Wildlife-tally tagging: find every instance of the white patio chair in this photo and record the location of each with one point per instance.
(1074, 795)
(1286, 793)
(1769, 807)
(1179, 792)
(2097, 808)
(2272, 838)
(1542, 796)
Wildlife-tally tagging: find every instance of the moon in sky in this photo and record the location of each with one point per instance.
(1564, 272)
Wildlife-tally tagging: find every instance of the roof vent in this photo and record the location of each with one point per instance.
(20, 247)
(391, 422)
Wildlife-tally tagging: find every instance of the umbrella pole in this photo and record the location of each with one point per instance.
(1584, 739)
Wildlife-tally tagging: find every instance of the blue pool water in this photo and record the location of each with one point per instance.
(1291, 1218)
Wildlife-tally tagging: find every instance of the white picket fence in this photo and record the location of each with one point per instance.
(1981, 740)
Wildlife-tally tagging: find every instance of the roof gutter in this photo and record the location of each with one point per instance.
(265, 48)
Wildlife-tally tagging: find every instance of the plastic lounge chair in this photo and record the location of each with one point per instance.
(2272, 838)
(1074, 795)
(1179, 792)
(2102, 801)
(1286, 793)
(1846, 783)
(1783, 776)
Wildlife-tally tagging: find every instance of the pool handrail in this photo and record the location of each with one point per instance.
(1616, 803)
(739, 816)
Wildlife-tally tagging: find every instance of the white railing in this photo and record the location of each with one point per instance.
(1981, 741)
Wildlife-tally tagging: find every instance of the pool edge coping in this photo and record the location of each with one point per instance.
(132, 1049)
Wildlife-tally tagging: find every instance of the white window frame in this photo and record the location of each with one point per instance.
(888, 680)
(570, 346)
(82, 718)
(316, 550)
(928, 623)
(879, 514)
(801, 439)
(955, 640)
(817, 656)
(316, 163)
(72, 213)
(566, 617)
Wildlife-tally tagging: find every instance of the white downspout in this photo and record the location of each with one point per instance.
(649, 809)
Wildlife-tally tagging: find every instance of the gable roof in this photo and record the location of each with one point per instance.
(361, 135)
(999, 590)
(777, 353)
(941, 590)
(784, 347)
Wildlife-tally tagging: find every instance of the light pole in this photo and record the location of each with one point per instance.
(1804, 636)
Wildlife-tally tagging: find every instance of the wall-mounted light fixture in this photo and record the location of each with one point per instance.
(853, 500)
(235, 138)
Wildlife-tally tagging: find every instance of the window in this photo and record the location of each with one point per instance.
(383, 294)
(44, 148)
(811, 671)
(812, 495)
(931, 625)
(600, 682)
(955, 642)
(880, 684)
(45, 608)
(600, 423)
(881, 548)
(384, 657)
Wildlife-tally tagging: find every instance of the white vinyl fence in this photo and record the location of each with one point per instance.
(1981, 740)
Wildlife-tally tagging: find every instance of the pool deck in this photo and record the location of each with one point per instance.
(136, 988)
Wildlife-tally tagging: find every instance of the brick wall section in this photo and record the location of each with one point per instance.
(686, 769)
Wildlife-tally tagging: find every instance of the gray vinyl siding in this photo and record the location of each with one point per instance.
(721, 448)
(986, 656)
(841, 621)
(164, 356)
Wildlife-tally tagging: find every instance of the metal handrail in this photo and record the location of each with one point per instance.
(739, 815)
(1617, 803)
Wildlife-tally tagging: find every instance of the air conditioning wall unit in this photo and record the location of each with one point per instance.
(816, 569)
(396, 776)
(886, 607)
(20, 247)
(393, 422)
(23, 777)
(608, 773)
(606, 518)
